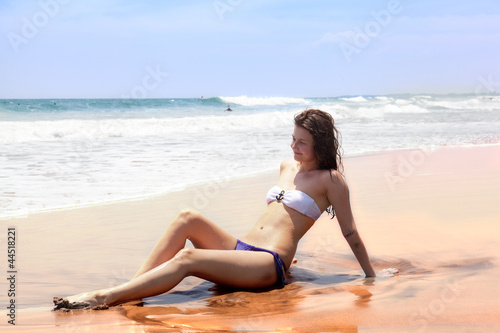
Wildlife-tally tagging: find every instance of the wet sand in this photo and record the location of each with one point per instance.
(433, 215)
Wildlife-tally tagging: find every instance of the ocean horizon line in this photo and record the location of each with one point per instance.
(404, 94)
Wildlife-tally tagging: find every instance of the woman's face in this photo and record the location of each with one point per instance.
(302, 145)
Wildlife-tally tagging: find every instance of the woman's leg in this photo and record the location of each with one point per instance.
(202, 232)
(243, 269)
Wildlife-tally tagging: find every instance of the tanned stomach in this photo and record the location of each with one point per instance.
(279, 230)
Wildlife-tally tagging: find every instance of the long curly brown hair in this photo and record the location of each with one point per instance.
(326, 138)
(326, 141)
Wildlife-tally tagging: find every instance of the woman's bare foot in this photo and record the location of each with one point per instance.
(85, 301)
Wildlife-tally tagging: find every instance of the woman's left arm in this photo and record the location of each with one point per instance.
(338, 196)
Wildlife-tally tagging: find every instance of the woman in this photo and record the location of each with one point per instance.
(308, 185)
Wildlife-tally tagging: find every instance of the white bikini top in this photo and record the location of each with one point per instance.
(295, 199)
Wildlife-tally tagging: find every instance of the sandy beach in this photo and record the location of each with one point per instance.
(432, 215)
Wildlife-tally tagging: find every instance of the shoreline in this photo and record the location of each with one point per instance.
(134, 199)
(426, 150)
(428, 219)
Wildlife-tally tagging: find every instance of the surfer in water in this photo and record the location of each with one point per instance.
(309, 184)
(229, 108)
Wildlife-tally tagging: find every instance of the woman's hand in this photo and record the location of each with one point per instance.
(388, 272)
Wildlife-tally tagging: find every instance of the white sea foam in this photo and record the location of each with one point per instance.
(91, 151)
(260, 101)
(473, 103)
(383, 98)
(77, 129)
(354, 99)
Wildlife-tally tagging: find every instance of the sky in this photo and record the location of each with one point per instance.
(314, 48)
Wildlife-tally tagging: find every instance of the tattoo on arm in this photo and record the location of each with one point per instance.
(349, 234)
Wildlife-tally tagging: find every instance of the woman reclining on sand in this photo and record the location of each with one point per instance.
(308, 185)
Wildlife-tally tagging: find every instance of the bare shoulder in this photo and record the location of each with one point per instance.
(288, 163)
(334, 182)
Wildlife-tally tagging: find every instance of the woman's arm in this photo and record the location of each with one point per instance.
(338, 196)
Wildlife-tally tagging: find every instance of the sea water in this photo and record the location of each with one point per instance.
(57, 153)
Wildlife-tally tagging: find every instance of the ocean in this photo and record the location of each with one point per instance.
(60, 153)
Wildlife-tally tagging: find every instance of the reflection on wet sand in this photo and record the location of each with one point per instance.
(248, 311)
(226, 309)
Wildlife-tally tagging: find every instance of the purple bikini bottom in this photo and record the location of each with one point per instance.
(280, 265)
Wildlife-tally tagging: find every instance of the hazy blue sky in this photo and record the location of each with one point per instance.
(120, 48)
